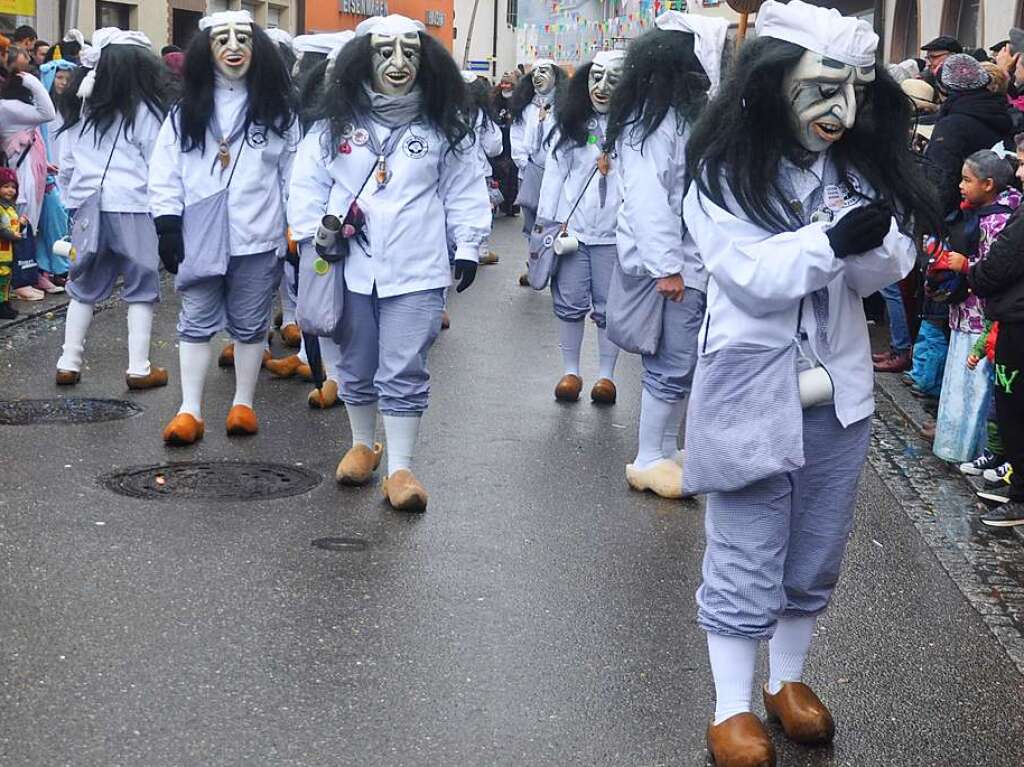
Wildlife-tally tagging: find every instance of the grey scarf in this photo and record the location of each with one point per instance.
(395, 111)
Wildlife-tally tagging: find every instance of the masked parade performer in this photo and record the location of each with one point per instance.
(656, 301)
(580, 194)
(217, 186)
(110, 133)
(531, 106)
(393, 157)
(803, 199)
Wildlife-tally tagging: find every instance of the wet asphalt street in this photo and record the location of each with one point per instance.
(538, 614)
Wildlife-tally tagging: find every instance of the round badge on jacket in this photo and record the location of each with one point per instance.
(415, 147)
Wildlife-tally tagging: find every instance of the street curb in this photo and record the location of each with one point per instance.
(56, 304)
(913, 412)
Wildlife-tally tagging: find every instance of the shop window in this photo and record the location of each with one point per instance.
(906, 42)
(273, 17)
(113, 15)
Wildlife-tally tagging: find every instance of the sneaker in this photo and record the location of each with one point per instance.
(881, 356)
(44, 284)
(981, 464)
(60, 280)
(1000, 475)
(7, 312)
(1009, 514)
(28, 293)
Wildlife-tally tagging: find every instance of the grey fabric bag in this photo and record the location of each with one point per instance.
(634, 312)
(321, 295)
(85, 226)
(206, 231)
(541, 262)
(744, 421)
(529, 186)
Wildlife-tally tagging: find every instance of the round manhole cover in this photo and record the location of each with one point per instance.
(212, 481)
(29, 412)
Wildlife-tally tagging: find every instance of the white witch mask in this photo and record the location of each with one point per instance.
(231, 44)
(605, 73)
(822, 94)
(543, 78)
(396, 62)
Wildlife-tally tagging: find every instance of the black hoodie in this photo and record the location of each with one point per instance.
(968, 121)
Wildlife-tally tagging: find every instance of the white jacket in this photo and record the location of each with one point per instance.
(83, 159)
(651, 236)
(527, 143)
(434, 197)
(565, 177)
(759, 280)
(259, 189)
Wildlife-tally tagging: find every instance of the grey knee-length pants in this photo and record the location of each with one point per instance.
(775, 548)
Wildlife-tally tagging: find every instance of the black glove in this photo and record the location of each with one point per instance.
(465, 272)
(172, 244)
(860, 230)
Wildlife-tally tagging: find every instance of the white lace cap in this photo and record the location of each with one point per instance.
(709, 33)
(224, 17)
(822, 30)
(391, 26)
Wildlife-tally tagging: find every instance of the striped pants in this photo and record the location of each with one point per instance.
(775, 547)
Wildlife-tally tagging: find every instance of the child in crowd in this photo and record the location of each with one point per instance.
(990, 463)
(988, 202)
(10, 236)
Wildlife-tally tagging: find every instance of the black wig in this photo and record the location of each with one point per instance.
(478, 99)
(308, 88)
(270, 90)
(128, 77)
(574, 110)
(661, 72)
(523, 95)
(344, 98)
(287, 56)
(746, 131)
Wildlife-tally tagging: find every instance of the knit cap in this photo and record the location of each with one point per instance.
(962, 72)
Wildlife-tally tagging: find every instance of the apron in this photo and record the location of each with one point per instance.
(85, 226)
(744, 422)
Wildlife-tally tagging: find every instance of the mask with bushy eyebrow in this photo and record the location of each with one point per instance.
(231, 45)
(396, 62)
(822, 94)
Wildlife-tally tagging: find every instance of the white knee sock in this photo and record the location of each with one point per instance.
(363, 421)
(400, 432)
(194, 357)
(248, 361)
(76, 326)
(608, 355)
(140, 327)
(570, 340)
(654, 417)
(302, 350)
(670, 440)
(788, 650)
(732, 665)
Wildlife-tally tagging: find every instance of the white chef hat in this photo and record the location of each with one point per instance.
(604, 58)
(321, 42)
(709, 34)
(90, 57)
(543, 62)
(822, 30)
(342, 39)
(468, 76)
(391, 25)
(224, 17)
(279, 36)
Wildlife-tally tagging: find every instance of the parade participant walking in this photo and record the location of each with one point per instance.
(804, 191)
(656, 300)
(217, 191)
(580, 193)
(110, 133)
(531, 106)
(393, 156)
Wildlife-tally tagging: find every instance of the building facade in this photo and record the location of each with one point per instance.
(164, 21)
(485, 36)
(334, 15)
